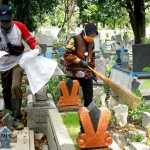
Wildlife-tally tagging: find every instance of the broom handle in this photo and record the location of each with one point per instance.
(105, 79)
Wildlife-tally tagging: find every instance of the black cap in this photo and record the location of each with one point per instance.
(5, 12)
(90, 28)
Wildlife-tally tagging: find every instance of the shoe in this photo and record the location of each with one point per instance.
(18, 125)
(16, 108)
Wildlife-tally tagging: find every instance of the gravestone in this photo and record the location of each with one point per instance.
(45, 39)
(97, 42)
(125, 60)
(58, 72)
(41, 94)
(141, 56)
(125, 38)
(37, 108)
(7, 121)
(112, 38)
(94, 121)
(121, 114)
(43, 47)
(118, 39)
(5, 137)
(135, 77)
(69, 100)
(69, 35)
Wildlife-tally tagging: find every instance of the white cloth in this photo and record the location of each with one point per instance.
(38, 69)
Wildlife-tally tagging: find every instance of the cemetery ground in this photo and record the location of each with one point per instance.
(39, 140)
(129, 128)
(37, 143)
(121, 135)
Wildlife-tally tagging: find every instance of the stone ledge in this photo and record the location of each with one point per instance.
(145, 119)
(57, 134)
(23, 140)
(139, 146)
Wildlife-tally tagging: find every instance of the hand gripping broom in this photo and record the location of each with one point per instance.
(126, 95)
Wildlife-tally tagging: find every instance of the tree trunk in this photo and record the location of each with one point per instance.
(4, 2)
(137, 19)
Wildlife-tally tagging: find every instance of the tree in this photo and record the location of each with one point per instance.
(69, 9)
(135, 8)
(32, 13)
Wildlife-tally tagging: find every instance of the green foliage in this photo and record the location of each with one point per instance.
(106, 90)
(146, 40)
(108, 68)
(7, 111)
(146, 84)
(71, 121)
(32, 13)
(137, 137)
(103, 11)
(53, 87)
(24, 104)
(146, 69)
(23, 88)
(136, 114)
(99, 103)
(112, 116)
(105, 86)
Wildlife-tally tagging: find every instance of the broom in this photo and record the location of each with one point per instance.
(126, 95)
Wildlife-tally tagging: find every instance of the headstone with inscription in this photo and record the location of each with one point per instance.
(5, 137)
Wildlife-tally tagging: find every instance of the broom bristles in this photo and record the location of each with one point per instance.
(126, 95)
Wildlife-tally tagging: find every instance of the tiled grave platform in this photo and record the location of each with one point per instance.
(22, 140)
(130, 81)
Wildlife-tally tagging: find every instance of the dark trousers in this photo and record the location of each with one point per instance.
(87, 88)
(11, 84)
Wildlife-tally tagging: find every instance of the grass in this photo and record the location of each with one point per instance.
(71, 121)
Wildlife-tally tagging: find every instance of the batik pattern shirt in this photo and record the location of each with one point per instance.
(76, 48)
